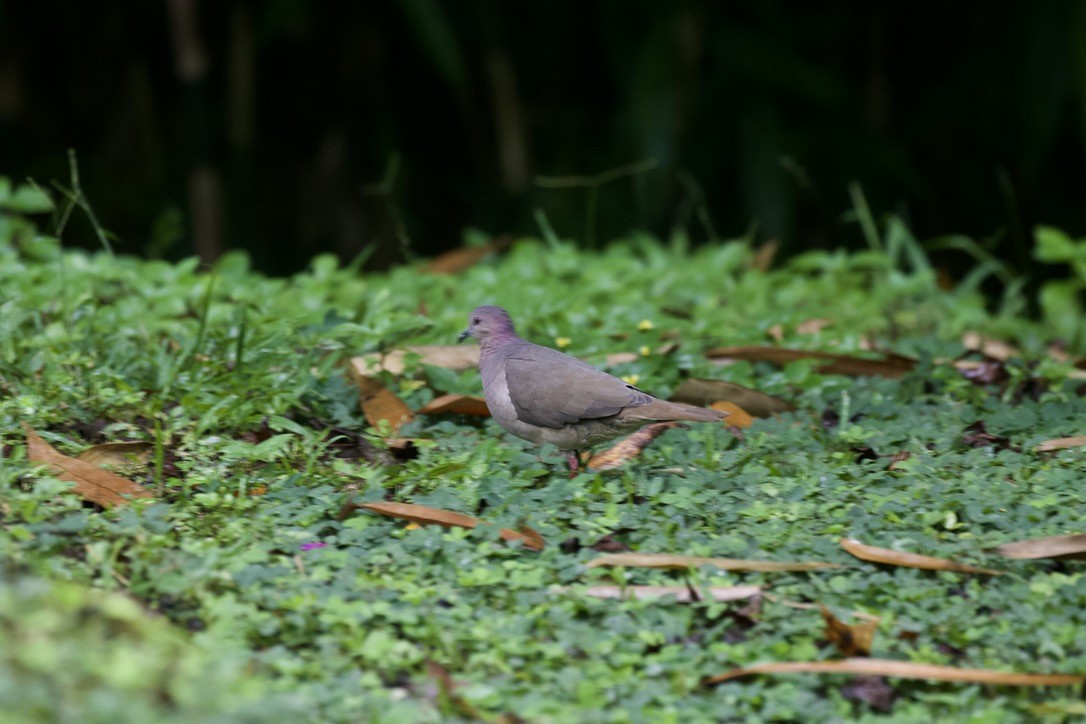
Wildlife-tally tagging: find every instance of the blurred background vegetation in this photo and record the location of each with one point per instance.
(287, 128)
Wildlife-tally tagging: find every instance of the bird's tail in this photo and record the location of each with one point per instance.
(662, 410)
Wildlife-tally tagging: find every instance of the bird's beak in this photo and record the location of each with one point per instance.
(464, 335)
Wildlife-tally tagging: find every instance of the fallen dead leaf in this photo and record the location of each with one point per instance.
(682, 594)
(424, 515)
(737, 416)
(449, 699)
(900, 669)
(628, 448)
(976, 342)
(92, 482)
(620, 358)
(705, 392)
(874, 691)
(977, 435)
(457, 404)
(1061, 443)
(909, 560)
(457, 260)
(849, 639)
(897, 458)
(116, 453)
(454, 357)
(378, 402)
(775, 333)
(813, 326)
(983, 372)
(668, 560)
(763, 256)
(863, 615)
(1057, 546)
(890, 365)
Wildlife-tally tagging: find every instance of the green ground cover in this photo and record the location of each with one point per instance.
(210, 603)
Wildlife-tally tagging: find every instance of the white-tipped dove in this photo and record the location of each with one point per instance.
(543, 395)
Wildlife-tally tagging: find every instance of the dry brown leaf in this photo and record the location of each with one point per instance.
(92, 482)
(448, 696)
(628, 447)
(813, 326)
(890, 365)
(1061, 443)
(849, 639)
(863, 615)
(902, 670)
(682, 594)
(457, 260)
(434, 516)
(1057, 546)
(621, 358)
(457, 404)
(909, 560)
(737, 416)
(897, 458)
(704, 392)
(379, 402)
(763, 257)
(116, 453)
(775, 333)
(454, 357)
(668, 560)
(975, 342)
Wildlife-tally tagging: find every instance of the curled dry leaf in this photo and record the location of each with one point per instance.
(862, 615)
(975, 342)
(378, 402)
(902, 670)
(682, 594)
(668, 560)
(849, 639)
(909, 560)
(813, 326)
(897, 458)
(450, 356)
(890, 365)
(456, 404)
(424, 515)
(448, 697)
(737, 416)
(763, 256)
(977, 435)
(116, 453)
(93, 483)
(704, 392)
(457, 260)
(1061, 443)
(628, 448)
(619, 358)
(1057, 546)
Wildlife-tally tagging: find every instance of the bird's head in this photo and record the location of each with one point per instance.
(487, 322)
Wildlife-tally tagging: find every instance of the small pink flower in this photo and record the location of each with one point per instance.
(311, 546)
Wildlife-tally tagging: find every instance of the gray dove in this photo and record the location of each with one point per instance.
(543, 395)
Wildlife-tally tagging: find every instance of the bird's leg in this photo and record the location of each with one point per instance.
(574, 459)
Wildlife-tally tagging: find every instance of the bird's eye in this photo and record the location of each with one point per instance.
(475, 321)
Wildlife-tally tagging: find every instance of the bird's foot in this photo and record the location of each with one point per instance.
(574, 460)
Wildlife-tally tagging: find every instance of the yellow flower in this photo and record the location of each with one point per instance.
(562, 342)
(645, 351)
(645, 325)
(631, 379)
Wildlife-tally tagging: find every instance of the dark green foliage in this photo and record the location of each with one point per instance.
(207, 603)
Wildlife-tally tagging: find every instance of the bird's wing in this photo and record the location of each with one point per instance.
(551, 389)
